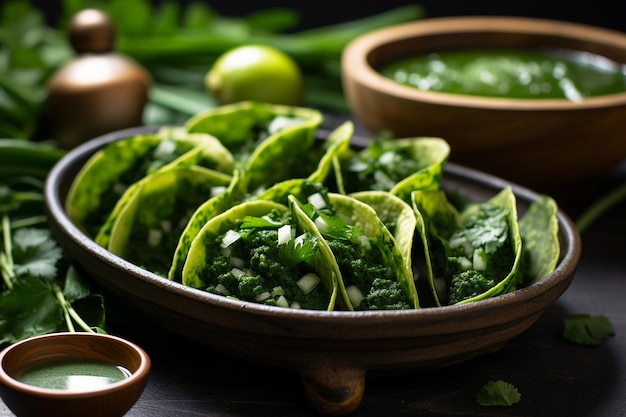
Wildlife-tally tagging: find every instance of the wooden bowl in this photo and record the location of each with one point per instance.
(331, 351)
(112, 400)
(542, 144)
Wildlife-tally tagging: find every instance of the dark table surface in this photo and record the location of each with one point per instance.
(555, 378)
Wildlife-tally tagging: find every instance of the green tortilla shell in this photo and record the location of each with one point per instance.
(400, 219)
(115, 169)
(147, 229)
(233, 195)
(539, 229)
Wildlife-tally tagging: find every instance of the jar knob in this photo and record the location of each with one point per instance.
(92, 30)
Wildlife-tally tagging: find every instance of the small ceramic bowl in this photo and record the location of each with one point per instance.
(542, 144)
(108, 400)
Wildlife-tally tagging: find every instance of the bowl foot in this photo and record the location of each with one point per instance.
(333, 390)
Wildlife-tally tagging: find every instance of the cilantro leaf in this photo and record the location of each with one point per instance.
(35, 253)
(330, 224)
(498, 393)
(587, 330)
(298, 250)
(29, 309)
(265, 222)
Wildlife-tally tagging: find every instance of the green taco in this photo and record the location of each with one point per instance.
(233, 195)
(262, 252)
(116, 168)
(398, 166)
(471, 254)
(373, 271)
(147, 229)
(242, 127)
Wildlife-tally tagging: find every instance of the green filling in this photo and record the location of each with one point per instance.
(256, 268)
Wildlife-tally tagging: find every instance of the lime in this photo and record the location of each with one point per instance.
(257, 73)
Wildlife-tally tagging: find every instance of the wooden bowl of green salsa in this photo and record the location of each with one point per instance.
(538, 102)
(73, 374)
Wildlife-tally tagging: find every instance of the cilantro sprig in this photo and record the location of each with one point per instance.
(39, 291)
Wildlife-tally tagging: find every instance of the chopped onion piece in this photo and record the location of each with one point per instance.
(222, 289)
(301, 239)
(154, 237)
(217, 190)
(226, 251)
(165, 148)
(321, 224)
(284, 234)
(464, 263)
(282, 301)
(387, 158)
(317, 200)
(355, 295)
(229, 238)
(461, 241)
(308, 282)
(295, 304)
(237, 272)
(263, 296)
(282, 122)
(479, 260)
(364, 242)
(166, 226)
(383, 179)
(237, 262)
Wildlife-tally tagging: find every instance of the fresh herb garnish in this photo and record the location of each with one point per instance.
(587, 330)
(498, 393)
(330, 224)
(37, 295)
(298, 250)
(265, 222)
(40, 290)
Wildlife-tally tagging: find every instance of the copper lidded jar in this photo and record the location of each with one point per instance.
(100, 90)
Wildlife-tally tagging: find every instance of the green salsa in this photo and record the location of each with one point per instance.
(73, 375)
(509, 73)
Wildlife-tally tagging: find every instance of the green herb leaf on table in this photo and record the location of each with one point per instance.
(32, 301)
(40, 291)
(35, 253)
(587, 330)
(498, 393)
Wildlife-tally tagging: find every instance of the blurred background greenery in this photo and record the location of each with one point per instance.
(177, 41)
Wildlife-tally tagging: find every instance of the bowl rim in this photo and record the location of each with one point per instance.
(140, 374)
(352, 319)
(355, 59)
